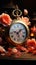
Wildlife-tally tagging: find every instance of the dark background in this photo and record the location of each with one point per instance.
(29, 4)
(24, 3)
(8, 6)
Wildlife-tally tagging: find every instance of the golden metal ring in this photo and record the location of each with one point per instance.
(17, 10)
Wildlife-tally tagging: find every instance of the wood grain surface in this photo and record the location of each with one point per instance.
(24, 56)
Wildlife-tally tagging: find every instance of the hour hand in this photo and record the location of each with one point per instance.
(14, 31)
(20, 30)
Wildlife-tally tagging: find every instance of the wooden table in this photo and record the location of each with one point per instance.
(24, 56)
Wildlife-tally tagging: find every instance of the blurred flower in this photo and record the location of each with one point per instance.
(26, 20)
(33, 29)
(25, 11)
(32, 34)
(5, 19)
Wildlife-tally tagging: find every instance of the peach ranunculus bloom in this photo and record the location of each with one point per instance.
(5, 19)
(26, 20)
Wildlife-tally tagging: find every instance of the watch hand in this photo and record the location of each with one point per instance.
(20, 30)
(14, 31)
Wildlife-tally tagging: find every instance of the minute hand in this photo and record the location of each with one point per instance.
(20, 30)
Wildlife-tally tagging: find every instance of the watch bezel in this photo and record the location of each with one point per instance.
(19, 21)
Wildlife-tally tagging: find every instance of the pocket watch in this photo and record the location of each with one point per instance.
(19, 31)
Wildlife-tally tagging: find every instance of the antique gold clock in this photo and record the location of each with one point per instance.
(19, 31)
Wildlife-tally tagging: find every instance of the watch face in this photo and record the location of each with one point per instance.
(18, 33)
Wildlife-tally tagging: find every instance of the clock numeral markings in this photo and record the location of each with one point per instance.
(14, 39)
(11, 35)
(22, 35)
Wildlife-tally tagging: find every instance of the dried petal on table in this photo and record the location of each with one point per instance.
(3, 54)
(8, 54)
(21, 48)
(34, 52)
(14, 50)
(9, 49)
(31, 49)
(18, 54)
(30, 42)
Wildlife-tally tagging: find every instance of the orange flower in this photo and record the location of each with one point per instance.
(5, 19)
(26, 20)
(33, 29)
